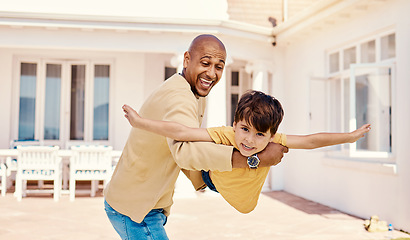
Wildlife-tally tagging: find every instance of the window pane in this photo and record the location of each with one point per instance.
(28, 78)
(335, 103)
(335, 109)
(346, 104)
(388, 46)
(368, 52)
(101, 102)
(334, 62)
(169, 72)
(77, 102)
(52, 104)
(373, 105)
(349, 57)
(235, 79)
(234, 103)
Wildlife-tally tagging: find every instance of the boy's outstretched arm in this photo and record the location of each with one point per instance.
(172, 130)
(271, 155)
(325, 139)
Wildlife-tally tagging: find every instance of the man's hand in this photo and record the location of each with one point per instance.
(270, 156)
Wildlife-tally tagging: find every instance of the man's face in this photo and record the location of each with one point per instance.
(250, 140)
(204, 66)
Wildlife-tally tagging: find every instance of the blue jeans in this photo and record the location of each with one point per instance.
(208, 181)
(151, 228)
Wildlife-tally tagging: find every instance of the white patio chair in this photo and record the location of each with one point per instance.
(90, 163)
(11, 163)
(66, 165)
(38, 163)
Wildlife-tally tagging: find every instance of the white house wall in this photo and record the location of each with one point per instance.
(138, 57)
(361, 189)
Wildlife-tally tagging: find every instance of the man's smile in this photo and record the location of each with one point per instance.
(205, 83)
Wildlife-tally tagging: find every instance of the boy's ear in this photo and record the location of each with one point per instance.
(234, 124)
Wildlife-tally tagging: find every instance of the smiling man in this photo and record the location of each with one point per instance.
(139, 196)
(204, 63)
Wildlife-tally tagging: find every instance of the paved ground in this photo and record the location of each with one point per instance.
(279, 215)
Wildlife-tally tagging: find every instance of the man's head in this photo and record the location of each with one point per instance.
(204, 63)
(257, 119)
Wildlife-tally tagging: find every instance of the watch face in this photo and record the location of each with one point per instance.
(253, 161)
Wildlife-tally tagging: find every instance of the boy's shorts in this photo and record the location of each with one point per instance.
(208, 181)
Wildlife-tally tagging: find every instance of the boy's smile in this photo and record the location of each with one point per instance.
(250, 140)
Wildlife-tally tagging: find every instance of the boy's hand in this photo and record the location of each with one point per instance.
(359, 133)
(131, 115)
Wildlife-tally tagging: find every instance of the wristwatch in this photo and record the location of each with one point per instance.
(253, 161)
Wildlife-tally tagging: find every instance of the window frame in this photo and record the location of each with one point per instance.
(64, 138)
(353, 152)
(244, 84)
(350, 151)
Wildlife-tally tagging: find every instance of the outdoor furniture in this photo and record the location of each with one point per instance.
(11, 163)
(90, 163)
(38, 163)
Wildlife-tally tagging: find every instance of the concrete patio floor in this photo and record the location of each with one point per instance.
(202, 215)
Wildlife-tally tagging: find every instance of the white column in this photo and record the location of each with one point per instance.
(177, 61)
(260, 81)
(260, 74)
(215, 113)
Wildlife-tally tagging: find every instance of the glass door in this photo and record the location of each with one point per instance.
(63, 103)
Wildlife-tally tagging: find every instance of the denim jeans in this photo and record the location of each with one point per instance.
(151, 228)
(208, 181)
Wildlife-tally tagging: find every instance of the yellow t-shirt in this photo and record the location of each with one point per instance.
(240, 187)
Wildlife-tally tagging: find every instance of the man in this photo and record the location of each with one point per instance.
(139, 195)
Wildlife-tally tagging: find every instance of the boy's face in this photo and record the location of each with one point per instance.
(250, 140)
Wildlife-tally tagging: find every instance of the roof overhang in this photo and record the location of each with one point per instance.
(133, 24)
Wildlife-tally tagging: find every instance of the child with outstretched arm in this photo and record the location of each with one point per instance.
(256, 121)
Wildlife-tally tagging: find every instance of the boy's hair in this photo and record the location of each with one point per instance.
(259, 110)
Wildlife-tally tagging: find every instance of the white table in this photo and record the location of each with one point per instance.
(65, 154)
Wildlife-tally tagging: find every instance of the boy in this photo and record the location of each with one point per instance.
(256, 121)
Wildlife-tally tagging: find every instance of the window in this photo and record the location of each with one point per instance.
(388, 46)
(52, 102)
(360, 92)
(334, 62)
(349, 57)
(234, 94)
(372, 103)
(77, 102)
(27, 108)
(368, 52)
(62, 101)
(101, 102)
(237, 82)
(169, 71)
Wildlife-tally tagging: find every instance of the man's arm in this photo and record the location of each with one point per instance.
(270, 156)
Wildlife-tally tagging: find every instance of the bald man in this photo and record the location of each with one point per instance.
(139, 196)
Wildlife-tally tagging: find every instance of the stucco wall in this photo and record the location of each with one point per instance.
(361, 189)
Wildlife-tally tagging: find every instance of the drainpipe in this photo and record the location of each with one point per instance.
(285, 10)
